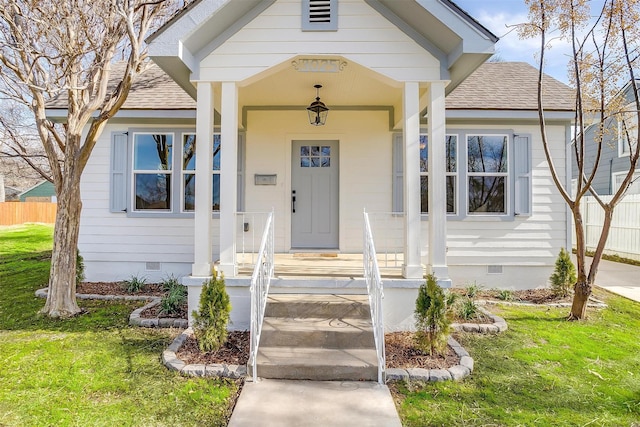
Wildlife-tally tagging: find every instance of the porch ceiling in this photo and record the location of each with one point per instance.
(355, 85)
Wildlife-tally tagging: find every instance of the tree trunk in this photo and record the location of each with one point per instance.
(61, 299)
(582, 288)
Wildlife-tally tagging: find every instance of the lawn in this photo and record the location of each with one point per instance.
(544, 371)
(93, 370)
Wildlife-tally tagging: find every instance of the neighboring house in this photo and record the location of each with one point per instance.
(237, 77)
(614, 158)
(42, 192)
(11, 194)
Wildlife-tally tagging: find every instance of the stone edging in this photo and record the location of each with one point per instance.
(455, 373)
(498, 325)
(594, 304)
(171, 361)
(134, 317)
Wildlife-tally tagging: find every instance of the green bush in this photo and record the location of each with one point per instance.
(211, 319)
(504, 295)
(134, 284)
(170, 282)
(433, 320)
(79, 268)
(564, 276)
(173, 299)
(472, 290)
(468, 310)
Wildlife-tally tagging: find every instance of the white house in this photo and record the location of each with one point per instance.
(401, 78)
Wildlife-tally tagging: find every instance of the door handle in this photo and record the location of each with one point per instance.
(293, 201)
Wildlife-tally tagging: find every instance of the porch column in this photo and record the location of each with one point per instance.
(412, 269)
(228, 178)
(203, 191)
(437, 161)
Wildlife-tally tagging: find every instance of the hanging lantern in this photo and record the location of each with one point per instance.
(317, 110)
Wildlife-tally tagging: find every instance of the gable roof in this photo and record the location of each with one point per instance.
(439, 26)
(509, 86)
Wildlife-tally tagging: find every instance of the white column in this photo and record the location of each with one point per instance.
(412, 268)
(203, 193)
(228, 178)
(437, 184)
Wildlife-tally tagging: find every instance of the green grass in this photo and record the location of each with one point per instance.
(544, 371)
(93, 370)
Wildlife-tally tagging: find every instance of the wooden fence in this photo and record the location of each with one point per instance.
(624, 236)
(12, 213)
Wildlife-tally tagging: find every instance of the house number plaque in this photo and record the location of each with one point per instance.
(315, 65)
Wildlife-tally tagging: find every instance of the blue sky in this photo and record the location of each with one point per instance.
(496, 15)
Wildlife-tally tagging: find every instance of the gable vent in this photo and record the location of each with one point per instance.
(319, 15)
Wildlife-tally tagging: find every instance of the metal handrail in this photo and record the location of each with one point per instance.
(260, 282)
(376, 294)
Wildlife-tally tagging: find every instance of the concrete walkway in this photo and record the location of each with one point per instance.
(285, 403)
(623, 279)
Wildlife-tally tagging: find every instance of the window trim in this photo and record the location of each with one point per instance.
(509, 175)
(456, 194)
(622, 143)
(636, 176)
(134, 172)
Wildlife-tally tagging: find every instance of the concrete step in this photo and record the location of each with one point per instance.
(317, 364)
(314, 332)
(318, 306)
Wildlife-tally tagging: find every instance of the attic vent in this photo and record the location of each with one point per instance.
(319, 15)
(494, 269)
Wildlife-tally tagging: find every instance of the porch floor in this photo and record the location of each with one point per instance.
(322, 264)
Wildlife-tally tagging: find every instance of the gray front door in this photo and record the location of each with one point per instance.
(314, 195)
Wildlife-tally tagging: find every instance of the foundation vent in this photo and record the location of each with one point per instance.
(152, 266)
(494, 269)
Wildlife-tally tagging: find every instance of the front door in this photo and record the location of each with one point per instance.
(314, 195)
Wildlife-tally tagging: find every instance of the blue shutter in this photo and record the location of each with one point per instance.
(522, 166)
(118, 172)
(398, 174)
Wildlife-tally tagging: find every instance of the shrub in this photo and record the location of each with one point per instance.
(432, 317)
(79, 268)
(564, 275)
(505, 295)
(472, 290)
(173, 299)
(211, 319)
(170, 282)
(468, 309)
(134, 284)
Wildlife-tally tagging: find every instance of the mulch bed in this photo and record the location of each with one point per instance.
(534, 296)
(156, 311)
(117, 288)
(401, 352)
(234, 352)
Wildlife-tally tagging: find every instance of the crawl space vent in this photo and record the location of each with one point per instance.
(494, 269)
(152, 266)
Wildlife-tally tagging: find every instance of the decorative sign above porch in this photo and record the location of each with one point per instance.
(317, 65)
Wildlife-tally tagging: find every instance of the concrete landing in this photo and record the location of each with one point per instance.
(285, 403)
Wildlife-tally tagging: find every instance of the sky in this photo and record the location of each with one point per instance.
(497, 15)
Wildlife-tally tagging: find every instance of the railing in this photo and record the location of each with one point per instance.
(260, 281)
(388, 227)
(250, 229)
(376, 294)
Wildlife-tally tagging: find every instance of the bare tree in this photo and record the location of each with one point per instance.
(66, 48)
(605, 50)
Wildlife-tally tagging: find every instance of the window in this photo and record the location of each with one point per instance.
(618, 177)
(451, 174)
(189, 172)
(627, 131)
(487, 174)
(496, 181)
(152, 171)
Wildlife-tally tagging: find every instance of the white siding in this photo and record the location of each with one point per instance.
(364, 36)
